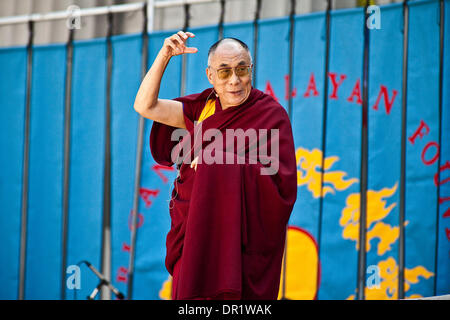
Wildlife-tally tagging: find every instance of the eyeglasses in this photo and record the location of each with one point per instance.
(240, 71)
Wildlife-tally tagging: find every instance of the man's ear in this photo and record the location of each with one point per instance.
(209, 75)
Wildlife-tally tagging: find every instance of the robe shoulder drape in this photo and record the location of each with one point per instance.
(228, 220)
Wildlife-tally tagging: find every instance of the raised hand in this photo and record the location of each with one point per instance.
(176, 44)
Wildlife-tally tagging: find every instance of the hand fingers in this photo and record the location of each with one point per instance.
(183, 35)
(177, 38)
(177, 42)
(172, 45)
(186, 34)
(190, 50)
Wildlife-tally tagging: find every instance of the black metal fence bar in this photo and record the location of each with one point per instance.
(66, 178)
(106, 228)
(401, 243)
(441, 83)
(324, 130)
(187, 18)
(364, 164)
(221, 18)
(255, 39)
(25, 172)
(138, 166)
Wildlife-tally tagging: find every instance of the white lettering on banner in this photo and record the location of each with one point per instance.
(74, 280)
(212, 154)
(374, 20)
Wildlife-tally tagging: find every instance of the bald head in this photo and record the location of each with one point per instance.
(228, 43)
(231, 86)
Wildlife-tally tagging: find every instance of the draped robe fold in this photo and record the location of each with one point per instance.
(228, 221)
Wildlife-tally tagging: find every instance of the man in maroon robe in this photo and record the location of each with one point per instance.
(237, 180)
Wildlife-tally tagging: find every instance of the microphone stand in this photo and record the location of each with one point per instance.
(96, 290)
(103, 282)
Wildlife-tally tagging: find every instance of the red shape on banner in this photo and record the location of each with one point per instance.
(311, 87)
(437, 181)
(157, 168)
(122, 274)
(436, 156)
(335, 84)
(125, 247)
(447, 233)
(293, 93)
(388, 104)
(356, 93)
(269, 91)
(419, 132)
(146, 194)
(446, 213)
(140, 220)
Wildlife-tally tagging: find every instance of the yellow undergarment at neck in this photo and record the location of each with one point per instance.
(208, 110)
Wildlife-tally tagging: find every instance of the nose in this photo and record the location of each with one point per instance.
(234, 79)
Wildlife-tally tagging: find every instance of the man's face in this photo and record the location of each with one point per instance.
(235, 89)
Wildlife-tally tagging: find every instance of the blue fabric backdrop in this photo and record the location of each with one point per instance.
(334, 230)
(12, 115)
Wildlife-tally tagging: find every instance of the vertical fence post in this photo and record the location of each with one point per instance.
(441, 79)
(150, 15)
(25, 172)
(324, 132)
(66, 178)
(364, 163)
(184, 56)
(401, 246)
(106, 229)
(290, 82)
(138, 165)
(222, 18)
(291, 54)
(255, 40)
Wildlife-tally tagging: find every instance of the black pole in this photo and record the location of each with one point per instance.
(66, 179)
(137, 176)
(291, 68)
(364, 164)
(187, 18)
(222, 18)
(255, 40)
(25, 173)
(324, 129)
(106, 229)
(441, 79)
(291, 55)
(401, 244)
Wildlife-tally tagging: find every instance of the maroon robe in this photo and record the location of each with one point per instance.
(228, 221)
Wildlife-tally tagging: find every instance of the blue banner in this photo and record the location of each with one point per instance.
(307, 117)
(323, 234)
(196, 80)
(272, 65)
(45, 192)
(384, 153)
(442, 179)
(339, 227)
(125, 78)
(422, 130)
(151, 279)
(87, 151)
(13, 63)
